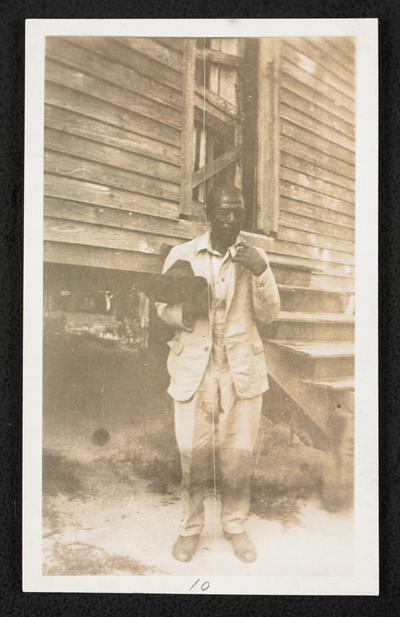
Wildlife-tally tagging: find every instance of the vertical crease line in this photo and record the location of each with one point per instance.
(213, 392)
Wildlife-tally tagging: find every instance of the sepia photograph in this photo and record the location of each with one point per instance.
(197, 212)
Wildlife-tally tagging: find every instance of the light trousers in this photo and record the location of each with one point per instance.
(215, 427)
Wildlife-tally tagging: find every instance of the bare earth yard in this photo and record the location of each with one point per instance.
(113, 508)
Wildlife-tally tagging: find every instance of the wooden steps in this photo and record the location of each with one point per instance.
(336, 385)
(309, 299)
(310, 346)
(316, 360)
(310, 327)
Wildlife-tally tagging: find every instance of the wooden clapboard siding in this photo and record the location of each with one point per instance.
(61, 164)
(115, 147)
(322, 128)
(115, 49)
(60, 141)
(304, 166)
(306, 210)
(102, 195)
(113, 72)
(107, 91)
(300, 86)
(316, 225)
(87, 234)
(112, 158)
(309, 47)
(317, 152)
(332, 82)
(63, 97)
(309, 154)
(314, 183)
(71, 123)
(101, 257)
(122, 219)
(172, 42)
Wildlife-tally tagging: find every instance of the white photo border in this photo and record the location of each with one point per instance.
(365, 577)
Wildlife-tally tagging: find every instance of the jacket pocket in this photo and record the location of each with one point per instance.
(175, 346)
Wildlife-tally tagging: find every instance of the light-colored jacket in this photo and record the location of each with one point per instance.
(250, 299)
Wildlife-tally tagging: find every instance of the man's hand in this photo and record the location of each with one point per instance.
(249, 257)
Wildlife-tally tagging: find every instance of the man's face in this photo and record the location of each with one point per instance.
(227, 219)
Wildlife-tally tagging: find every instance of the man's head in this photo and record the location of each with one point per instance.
(225, 213)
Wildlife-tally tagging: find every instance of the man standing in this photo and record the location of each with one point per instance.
(217, 369)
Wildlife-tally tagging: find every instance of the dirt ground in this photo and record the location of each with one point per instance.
(111, 481)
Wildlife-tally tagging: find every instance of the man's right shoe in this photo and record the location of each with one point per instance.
(185, 547)
(243, 547)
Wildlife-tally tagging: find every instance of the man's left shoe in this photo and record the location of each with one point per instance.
(243, 547)
(185, 547)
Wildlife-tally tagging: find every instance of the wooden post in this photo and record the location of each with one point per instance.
(268, 137)
(187, 134)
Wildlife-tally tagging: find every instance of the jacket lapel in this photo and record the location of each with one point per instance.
(233, 281)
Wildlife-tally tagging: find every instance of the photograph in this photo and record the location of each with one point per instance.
(195, 225)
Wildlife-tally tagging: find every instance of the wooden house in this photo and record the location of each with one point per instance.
(138, 129)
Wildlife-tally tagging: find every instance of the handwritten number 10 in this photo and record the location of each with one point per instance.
(204, 586)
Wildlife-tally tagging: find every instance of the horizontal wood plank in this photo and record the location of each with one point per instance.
(336, 98)
(328, 268)
(56, 252)
(343, 47)
(311, 211)
(101, 195)
(101, 133)
(303, 194)
(327, 46)
(171, 42)
(88, 234)
(113, 177)
(324, 131)
(304, 136)
(155, 50)
(296, 221)
(126, 99)
(315, 97)
(113, 49)
(104, 111)
(311, 111)
(307, 47)
(60, 141)
(89, 62)
(310, 238)
(122, 219)
(318, 71)
(77, 255)
(323, 255)
(312, 155)
(315, 171)
(316, 185)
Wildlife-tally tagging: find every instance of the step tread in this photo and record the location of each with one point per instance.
(317, 290)
(345, 383)
(313, 350)
(315, 317)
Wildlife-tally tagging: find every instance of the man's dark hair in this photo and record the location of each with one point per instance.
(227, 192)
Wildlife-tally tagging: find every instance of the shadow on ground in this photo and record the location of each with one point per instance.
(108, 449)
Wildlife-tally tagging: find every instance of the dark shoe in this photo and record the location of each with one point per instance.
(185, 547)
(243, 547)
